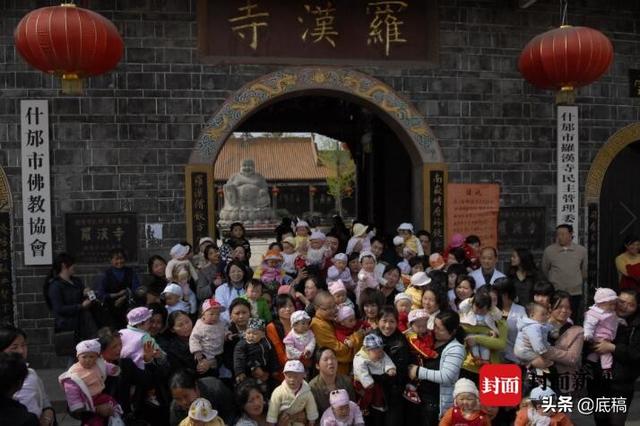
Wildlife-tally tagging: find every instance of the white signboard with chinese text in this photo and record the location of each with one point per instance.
(36, 182)
(567, 202)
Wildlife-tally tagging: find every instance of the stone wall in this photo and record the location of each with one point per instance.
(123, 146)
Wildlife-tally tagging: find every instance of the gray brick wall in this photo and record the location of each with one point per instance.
(123, 146)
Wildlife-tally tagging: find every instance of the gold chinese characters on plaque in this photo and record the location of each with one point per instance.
(319, 31)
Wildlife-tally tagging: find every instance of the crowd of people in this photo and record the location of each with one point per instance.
(347, 328)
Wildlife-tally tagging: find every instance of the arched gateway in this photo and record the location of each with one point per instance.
(613, 208)
(402, 118)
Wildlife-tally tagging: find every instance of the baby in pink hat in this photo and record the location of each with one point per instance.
(601, 323)
(342, 412)
(339, 292)
(300, 341)
(84, 382)
(206, 342)
(339, 270)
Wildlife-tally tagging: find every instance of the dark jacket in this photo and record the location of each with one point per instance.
(66, 303)
(177, 351)
(398, 350)
(16, 414)
(626, 357)
(248, 356)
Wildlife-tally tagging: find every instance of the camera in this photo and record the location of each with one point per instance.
(91, 295)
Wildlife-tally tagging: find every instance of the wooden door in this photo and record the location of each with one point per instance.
(619, 210)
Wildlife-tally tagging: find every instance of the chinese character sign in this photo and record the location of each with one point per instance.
(91, 236)
(500, 385)
(567, 201)
(6, 288)
(436, 208)
(473, 209)
(319, 31)
(36, 182)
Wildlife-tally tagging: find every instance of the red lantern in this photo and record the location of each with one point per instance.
(220, 191)
(275, 190)
(566, 58)
(69, 42)
(313, 190)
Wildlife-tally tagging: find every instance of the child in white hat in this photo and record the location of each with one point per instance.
(206, 342)
(292, 396)
(466, 406)
(300, 342)
(532, 412)
(360, 241)
(202, 414)
(402, 302)
(416, 287)
(366, 276)
(179, 257)
(302, 231)
(342, 411)
(405, 230)
(421, 342)
(317, 251)
(175, 300)
(601, 323)
(289, 255)
(84, 382)
(339, 270)
(371, 360)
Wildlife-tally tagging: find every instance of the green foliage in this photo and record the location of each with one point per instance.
(342, 171)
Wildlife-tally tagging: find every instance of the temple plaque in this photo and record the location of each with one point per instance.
(91, 236)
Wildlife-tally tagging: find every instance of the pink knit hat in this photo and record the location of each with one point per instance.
(604, 295)
(345, 312)
(338, 398)
(457, 240)
(336, 287)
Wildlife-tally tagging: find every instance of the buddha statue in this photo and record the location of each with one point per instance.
(246, 197)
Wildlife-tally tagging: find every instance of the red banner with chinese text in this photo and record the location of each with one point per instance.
(472, 208)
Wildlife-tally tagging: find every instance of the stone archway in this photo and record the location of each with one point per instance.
(408, 124)
(617, 143)
(7, 311)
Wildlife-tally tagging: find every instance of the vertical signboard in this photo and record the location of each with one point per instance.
(36, 182)
(6, 288)
(567, 202)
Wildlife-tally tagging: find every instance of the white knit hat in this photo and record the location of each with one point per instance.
(401, 296)
(365, 254)
(88, 346)
(173, 288)
(465, 386)
(293, 366)
(298, 316)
